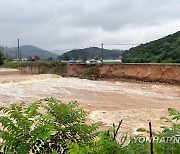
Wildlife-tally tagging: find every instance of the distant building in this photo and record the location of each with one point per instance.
(34, 58)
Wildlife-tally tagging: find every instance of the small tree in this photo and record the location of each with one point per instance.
(45, 126)
(91, 72)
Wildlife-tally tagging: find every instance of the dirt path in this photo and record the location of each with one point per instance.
(106, 101)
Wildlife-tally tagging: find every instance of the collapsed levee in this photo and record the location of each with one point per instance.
(168, 73)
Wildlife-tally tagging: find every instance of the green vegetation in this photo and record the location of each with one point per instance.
(58, 68)
(10, 64)
(91, 72)
(1, 58)
(90, 53)
(164, 50)
(50, 126)
(47, 124)
(174, 130)
(55, 67)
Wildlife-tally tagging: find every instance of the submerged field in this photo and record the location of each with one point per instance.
(104, 101)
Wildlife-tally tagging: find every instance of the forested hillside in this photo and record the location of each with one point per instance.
(90, 53)
(164, 50)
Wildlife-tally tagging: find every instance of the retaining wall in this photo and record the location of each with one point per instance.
(34, 69)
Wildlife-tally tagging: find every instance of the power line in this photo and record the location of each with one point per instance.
(121, 44)
(102, 46)
(78, 48)
(99, 46)
(12, 45)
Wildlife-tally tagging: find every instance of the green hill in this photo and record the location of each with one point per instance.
(90, 53)
(29, 50)
(164, 50)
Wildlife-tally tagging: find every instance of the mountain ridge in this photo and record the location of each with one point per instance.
(29, 50)
(90, 53)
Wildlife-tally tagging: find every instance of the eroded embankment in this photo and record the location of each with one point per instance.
(146, 72)
(167, 73)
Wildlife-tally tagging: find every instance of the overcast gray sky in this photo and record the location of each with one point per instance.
(66, 24)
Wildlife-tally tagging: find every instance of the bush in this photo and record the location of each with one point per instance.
(47, 124)
(58, 68)
(91, 72)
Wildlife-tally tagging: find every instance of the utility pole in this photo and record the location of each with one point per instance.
(102, 52)
(20, 54)
(18, 50)
(6, 52)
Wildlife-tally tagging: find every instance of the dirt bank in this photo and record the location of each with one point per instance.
(145, 72)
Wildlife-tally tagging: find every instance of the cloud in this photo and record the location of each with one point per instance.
(54, 24)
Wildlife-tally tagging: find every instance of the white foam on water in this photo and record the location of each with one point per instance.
(46, 85)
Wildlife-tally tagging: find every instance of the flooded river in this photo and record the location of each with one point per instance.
(105, 101)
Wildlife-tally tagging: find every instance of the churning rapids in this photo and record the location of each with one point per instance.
(104, 101)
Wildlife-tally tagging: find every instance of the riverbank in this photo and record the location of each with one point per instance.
(162, 73)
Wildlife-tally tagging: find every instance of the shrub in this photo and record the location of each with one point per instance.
(48, 125)
(91, 72)
(58, 68)
(170, 145)
(22, 127)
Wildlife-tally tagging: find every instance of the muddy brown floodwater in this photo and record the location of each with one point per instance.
(106, 101)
